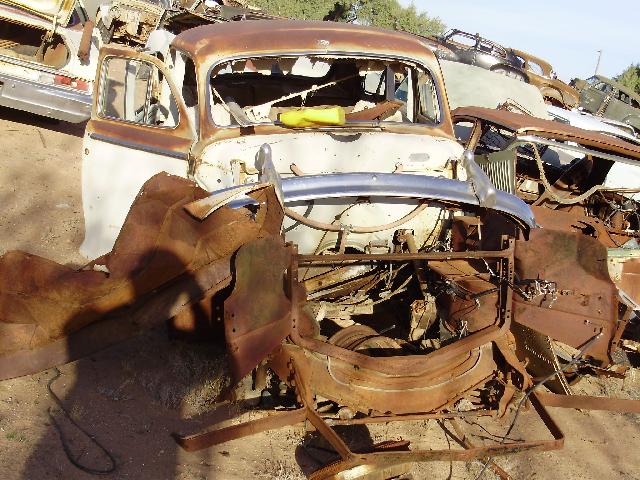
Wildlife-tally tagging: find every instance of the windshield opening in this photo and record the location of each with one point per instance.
(258, 90)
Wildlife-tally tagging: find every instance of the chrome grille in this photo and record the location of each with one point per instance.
(500, 168)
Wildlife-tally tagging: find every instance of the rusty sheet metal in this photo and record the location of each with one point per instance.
(162, 261)
(587, 402)
(396, 383)
(85, 41)
(263, 309)
(535, 350)
(274, 36)
(148, 312)
(575, 221)
(258, 317)
(216, 435)
(586, 300)
(624, 263)
(257, 314)
(526, 124)
(363, 389)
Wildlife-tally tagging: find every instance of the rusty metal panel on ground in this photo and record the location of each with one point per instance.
(580, 302)
(163, 261)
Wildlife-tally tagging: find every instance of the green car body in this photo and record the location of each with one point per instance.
(607, 98)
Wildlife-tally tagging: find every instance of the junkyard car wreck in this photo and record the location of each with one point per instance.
(306, 200)
(49, 50)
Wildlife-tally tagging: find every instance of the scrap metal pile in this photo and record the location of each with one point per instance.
(330, 220)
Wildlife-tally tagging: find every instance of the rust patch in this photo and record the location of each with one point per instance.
(526, 124)
(163, 261)
(257, 314)
(584, 302)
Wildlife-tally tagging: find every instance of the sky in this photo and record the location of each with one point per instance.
(566, 33)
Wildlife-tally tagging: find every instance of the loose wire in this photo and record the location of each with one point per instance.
(63, 441)
(573, 361)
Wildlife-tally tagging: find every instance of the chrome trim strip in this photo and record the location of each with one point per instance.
(392, 185)
(574, 148)
(48, 100)
(138, 146)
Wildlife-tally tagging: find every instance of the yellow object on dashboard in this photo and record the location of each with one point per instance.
(313, 117)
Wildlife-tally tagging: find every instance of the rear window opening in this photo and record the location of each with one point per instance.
(463, 40)
(258, 90)
(32, 44)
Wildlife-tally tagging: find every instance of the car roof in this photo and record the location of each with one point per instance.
(455, 31)
(619, 86)
(546, 66)
(526, 124)
(261, 37)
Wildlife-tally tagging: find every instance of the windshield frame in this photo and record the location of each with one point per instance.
(409, 62)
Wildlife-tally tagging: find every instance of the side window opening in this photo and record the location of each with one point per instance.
(429, 106)
(466, 41)
(623, 97)
(136, 91)
(535, 68)
(189, 84)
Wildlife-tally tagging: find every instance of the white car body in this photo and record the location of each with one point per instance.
(31, 84)
(621, 175)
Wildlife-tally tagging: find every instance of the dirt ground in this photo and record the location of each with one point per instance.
(131, 397)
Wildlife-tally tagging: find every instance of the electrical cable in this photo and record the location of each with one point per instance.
(63, 441)
(526, 396)
(330, 227)
(553, 192)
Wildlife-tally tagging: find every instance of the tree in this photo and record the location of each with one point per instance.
(630, 78)
(379, 13)
(298, 9)
(341, 12)
(390, 14)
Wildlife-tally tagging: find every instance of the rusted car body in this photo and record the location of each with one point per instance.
(458, 46)
(352, 330)
(596, 163)
(295, 313)
(495, 285)
(163, 262)
(540, 73)
(585, 186)
(607, 98)
(207, 119)
(370, 263)
(49, 49)
(48, 52)
(131, 22)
